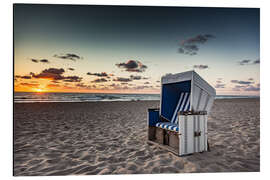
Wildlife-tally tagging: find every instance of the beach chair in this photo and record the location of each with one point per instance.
(180, 125)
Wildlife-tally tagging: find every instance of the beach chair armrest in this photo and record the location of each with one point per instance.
(192, 113)
(153, 116)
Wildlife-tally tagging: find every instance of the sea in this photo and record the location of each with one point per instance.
(30, 97)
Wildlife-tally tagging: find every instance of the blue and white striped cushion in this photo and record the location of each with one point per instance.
(168, 125)
(182, 105)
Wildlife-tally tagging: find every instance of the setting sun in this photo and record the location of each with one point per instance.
(38, 90)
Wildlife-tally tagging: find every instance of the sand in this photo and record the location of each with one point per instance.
(111, 138)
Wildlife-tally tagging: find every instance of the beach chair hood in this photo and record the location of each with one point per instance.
(185, 91)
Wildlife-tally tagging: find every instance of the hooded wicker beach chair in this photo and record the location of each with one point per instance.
(180, 125)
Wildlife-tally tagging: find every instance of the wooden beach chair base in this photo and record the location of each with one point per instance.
(165, 139)
(168, 140)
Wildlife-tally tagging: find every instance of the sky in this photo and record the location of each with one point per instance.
(127, 49)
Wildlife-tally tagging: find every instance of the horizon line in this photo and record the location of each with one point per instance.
(119, 93)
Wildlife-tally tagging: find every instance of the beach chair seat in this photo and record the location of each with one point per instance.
(168, 126)
(183, 104)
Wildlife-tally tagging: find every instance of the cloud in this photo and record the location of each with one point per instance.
(242, 82)
(122, 83)
(132, 77)
(69, 56)
(135, 77)
(100, 80)
(68, 87)
(256, 61)
(23, 77)
(102, 74)
(132, 66)
(35, 60)
(253, 88)
(32, 85)
(201, 66)
(56, 74)
(51, 73)
(84, 86)
(71, 69)
(200, 39)
(247, 87)
(143, 87)
(249, 62)
(220, 86)
(72, 79)
(190, 46)
(122, 79)
(118, 86)
(55, 81)
(240, 86)
(125, 86)
(244, 62)
(113, 85)
(181, 50)
(44, 60)
(54, 70)
(41, 60)
(53, 85)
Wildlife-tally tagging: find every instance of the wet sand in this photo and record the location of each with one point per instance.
(111, 138)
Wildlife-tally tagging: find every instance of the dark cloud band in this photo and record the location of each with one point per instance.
(100, 80)
(40, 60)
(132, 66)
(190, 46)
(249, 62)
(102, 74)
(69, 56)
(201, 66)
(56, 74)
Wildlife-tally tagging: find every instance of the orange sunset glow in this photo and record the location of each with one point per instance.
(53, 53)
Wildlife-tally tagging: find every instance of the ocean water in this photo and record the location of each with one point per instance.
(27, 97)
(22, 97)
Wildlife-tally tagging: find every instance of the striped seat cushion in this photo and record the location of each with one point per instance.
(168, 125)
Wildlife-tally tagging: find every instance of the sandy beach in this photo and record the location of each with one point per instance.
(111, 138)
